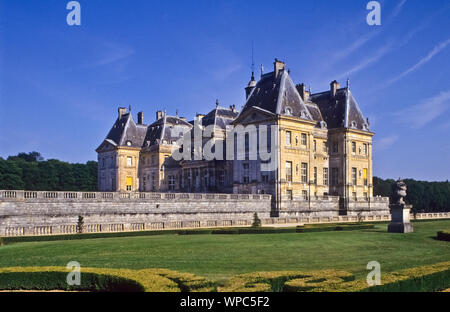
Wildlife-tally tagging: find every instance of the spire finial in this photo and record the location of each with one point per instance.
(348, 83)
(253, 63)
(309, 88)
(262, 69)
(217, 103)
(129, 108)
(177, 112)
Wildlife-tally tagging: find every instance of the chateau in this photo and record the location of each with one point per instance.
(322, 148)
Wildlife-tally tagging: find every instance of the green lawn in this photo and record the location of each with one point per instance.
(221, 256)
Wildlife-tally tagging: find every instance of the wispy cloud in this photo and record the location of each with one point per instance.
(441, 46)
(113, 53)
(424, 112)
(386, 142)
(366, 61)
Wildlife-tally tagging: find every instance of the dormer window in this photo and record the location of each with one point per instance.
(288, 111)
(128, 143)
(353, 124)
(303, 114)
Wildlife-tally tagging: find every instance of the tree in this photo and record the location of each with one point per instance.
(256, 220)
(80, 224)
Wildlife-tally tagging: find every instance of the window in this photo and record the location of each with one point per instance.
(365, 176)
(144, 183)
(246, 178)
(365, 195)
(364, 149)
(305, 194)
(354, 196)
(335, 147)
(353, 147)
(265, 178)
(171, 183)
(288, 138)
(334, 176)
(103, 162)
(129, 161)
(153, 181)
(129, 183)
(289, 194)
(221, 177)
(325, 149)
(304, 172)
(289, 171)
(314, 146)
(113, 183)
(315, 175)
(325, 176)
(153, 159)
(354, 176)
(303, 139)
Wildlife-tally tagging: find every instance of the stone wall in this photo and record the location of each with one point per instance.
(44, 213)
(40, 213)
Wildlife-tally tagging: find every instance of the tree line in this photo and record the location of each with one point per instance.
(424, 196)
(29, 171)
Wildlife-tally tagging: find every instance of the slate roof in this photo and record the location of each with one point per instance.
(126, 130)
(341, 111)
(220, 117)
(167, 128)
(277, 94)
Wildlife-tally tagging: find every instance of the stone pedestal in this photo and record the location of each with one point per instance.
(400, 219)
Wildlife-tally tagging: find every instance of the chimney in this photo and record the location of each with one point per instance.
(302, 91)
(233, 108)
(141, 118)
(159, 115)
(200, 116)
(278, 66)
(334, 85)
(122, 111)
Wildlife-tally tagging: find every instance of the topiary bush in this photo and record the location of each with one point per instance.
(444, 235)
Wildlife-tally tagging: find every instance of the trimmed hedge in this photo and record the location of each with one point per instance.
(100, 279)
(444, 235)
(427, 278)
(57, 280)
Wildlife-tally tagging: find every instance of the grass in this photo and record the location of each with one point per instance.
(219, 257)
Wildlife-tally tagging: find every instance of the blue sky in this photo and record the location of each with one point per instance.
(60, 85)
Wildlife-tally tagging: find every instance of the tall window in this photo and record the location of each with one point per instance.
(314, 146)
(129, 183)
(221, 178)
(289, 171)
(364, 149)
(153, 159)
(335, 147)
(354, 176)
(365, 176)
(325, 149)
(288, 138)
(246, 177)
(353, 147)
(153, 181)
(305, 194)
(289, 194)
(315, 175)
(171, 183)
(304, 172)
(334, 176)
(303, 139)
(129, 161)
(325, 176)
